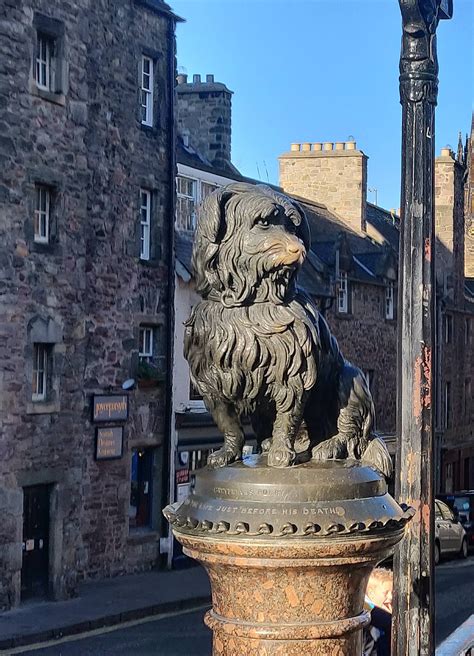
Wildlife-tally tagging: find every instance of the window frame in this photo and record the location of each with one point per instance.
(147, 92)
(49, 61)
(390, 301)
(447, 404)
(343, 293)
(190, 224)
(145, 225)
(448, 328)
(42, 216)
(41, 351)
(146, 355)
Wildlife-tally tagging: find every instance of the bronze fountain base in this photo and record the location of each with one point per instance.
(288, 553)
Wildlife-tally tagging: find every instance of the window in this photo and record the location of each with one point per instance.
(342, 294)
(447, 404)
(448, 328)
(444, 510)
(42, 214)
(141, 478)
(389, 305)
(467, 398)
(45, 62)
(40, 372)
(186, 203)
(145, 223)
(146, 91)
(207, 189)
(145, 353)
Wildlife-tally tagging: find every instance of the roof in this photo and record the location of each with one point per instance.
(385, 222)
(160, 7)
(184, 249)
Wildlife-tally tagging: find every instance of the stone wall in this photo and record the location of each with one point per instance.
(86, 143)
(332, 174)
(205, 116)
(368, 340)
(469, 205)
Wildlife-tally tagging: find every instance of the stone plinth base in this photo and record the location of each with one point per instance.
(288, 553)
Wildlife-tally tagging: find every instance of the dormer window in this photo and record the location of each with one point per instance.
(186, 203)
(343, 293)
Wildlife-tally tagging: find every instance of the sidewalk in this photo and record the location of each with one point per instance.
(105, 603)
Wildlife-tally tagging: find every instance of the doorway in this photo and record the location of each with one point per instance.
(35, 563)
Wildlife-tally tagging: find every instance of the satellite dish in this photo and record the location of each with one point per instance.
(128, 384)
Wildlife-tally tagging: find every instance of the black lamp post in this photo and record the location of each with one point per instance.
(413, 633)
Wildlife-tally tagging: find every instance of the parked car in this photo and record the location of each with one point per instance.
(462, 504)
(450, 536)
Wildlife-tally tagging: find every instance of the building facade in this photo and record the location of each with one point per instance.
(86, 205)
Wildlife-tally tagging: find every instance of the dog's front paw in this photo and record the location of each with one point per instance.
(266, 444)
(222, 457)
(332, 449)
(281, 456)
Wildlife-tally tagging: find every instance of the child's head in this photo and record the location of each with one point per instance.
(379, 588)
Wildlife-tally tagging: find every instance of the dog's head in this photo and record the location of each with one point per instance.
(250, 242)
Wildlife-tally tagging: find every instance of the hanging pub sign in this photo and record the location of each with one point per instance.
(109, 443)
(113, 407)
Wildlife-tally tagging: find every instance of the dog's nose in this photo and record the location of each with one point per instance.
(294, 248)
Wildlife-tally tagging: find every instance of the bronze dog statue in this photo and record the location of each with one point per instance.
(257, 346)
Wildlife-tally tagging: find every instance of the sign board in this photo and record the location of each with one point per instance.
(109, 443)
(182, 476)
(113, 407)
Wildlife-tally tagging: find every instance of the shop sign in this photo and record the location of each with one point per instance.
(182, 476)
(113, 407)
(109, 443)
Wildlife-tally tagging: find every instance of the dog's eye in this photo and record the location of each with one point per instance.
(263, 222)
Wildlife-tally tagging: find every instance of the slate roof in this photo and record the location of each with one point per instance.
(385, 222)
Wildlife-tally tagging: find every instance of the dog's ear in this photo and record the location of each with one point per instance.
(303, 229)
(211, 223)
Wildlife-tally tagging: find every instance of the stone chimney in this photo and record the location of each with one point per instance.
(334, 174)
(205, 114)
(449, 220)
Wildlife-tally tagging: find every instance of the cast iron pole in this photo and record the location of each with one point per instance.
(412, 633)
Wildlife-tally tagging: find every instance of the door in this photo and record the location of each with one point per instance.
(35, 564)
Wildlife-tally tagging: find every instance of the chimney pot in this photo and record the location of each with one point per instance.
(340, 145)
(295, 147)
(182, 78)
(446, 152)
(327, 145)
(351, 145)
(306, 146)
(317, 146)
(196, 79)
(210, 79)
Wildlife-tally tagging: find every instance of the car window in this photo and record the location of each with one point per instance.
(445, 511)
(437, 510)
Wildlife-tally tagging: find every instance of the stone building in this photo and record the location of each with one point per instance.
(86, 204)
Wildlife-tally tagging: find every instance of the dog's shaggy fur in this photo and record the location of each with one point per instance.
(258, 347)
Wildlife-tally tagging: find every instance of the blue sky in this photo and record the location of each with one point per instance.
(322, 70)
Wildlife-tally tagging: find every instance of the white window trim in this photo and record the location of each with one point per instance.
(147, 91)
(342, 293)
(40, 371)
(389, 304)
(145, 224)
(146, 354)
(45, 63)
(191, 223)
(42, 215)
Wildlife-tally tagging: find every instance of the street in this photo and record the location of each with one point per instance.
(185, 635)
